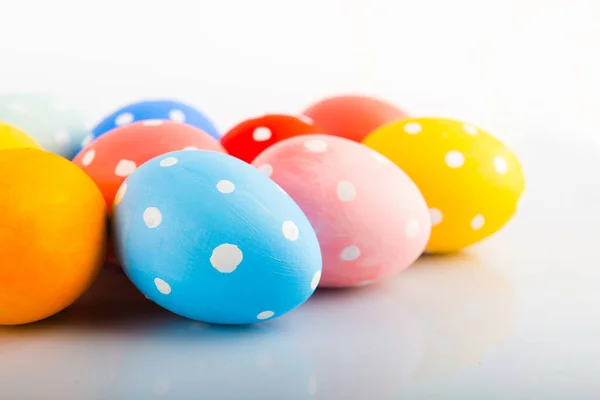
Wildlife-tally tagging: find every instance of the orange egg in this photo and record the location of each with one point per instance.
(12, 138)
(53, 234)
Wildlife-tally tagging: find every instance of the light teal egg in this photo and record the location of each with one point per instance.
(58, 127)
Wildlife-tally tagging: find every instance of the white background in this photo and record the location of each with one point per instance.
(523, 69)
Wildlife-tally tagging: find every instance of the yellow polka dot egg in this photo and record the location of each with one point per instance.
(470, 180)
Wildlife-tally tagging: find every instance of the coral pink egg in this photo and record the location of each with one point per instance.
(352, 117)
(112, 157)
(370, 218)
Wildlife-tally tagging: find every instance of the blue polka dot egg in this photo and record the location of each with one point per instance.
(153, 110)
(211, 238)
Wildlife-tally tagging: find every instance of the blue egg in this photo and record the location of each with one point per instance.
(154, 109)
(211, 238)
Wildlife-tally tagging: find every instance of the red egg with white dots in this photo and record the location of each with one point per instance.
(370, 218)
(112, 157)
(250, 137)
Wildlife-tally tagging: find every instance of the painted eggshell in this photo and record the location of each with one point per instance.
(370, 218)
(470, 180)
(249, 138)
(52, 235)
(113, 156)
(210, 238)
(352, 117)
(56, 126)
(154, 109)
(14, 138)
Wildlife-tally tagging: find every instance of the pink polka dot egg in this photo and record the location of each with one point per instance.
(370, 218)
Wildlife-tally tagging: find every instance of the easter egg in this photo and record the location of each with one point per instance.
(56, 126)
(249, 138)
(470, 180)
(370, 218)
(170, 110)
(352, 117)
(113, 156)
(210, 238)
(52, 234)
(14, 138)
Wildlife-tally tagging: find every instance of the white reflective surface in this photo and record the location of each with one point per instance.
(517, 316)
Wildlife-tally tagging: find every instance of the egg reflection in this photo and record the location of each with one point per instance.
(186, 359)
(465, 308)
(37, 362)
(363, 343)
(441, 316)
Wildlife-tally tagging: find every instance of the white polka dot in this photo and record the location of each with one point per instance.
(316, 145)
(87, 140)
(190, 148)
(153, 122)
(436, 216)
(261, 134)
(226, 257)
(120, 194)
(88, 157)
(350, 253)
(124, 119)
(290, 231)
(265, 315)
(500, 164)
(266, 169)
(168, 162)
(470, 129)
(62, 137)
(306, 119)
(125, 168)
(315, 280)
(477, 222)
(412, 228)
(346, 191)
(152, 217)
(162, 286)
(225, 186)
(454, 159)
(176, 115)
(412, 128)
